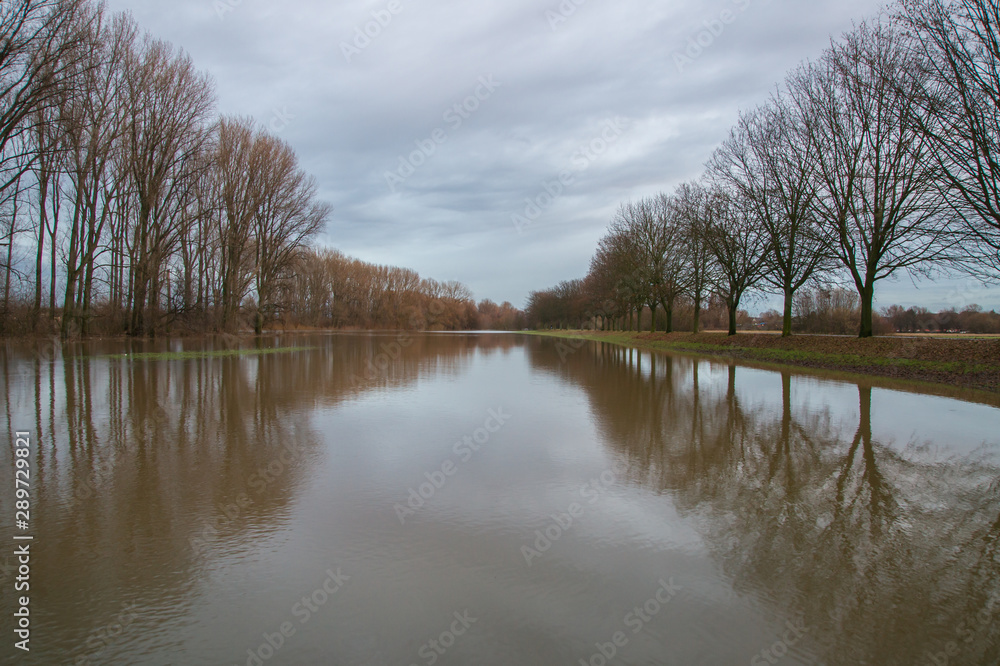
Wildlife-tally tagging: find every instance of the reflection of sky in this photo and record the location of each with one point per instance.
(899, 418)
(541, 457)
(949, 426)
(956, 427)
(463, 547)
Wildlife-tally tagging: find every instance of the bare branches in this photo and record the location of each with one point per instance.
(770, 162)
(39, 52)
(739, 245)
(841, 172)
(959, 47)
(142, 199)
(288, 216)
(877, 198)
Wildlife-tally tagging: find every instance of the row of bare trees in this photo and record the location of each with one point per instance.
(126, 203)
(880, 158)
(331, 290)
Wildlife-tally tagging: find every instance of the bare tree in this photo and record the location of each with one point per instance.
(673, 275)
(142, 200)
(770, 160)
(38, 53)
(169, 102)
(877, 202)
(655, 255)
(12, 223)
(642, 229)
(696, 212)
(287, 217)
(960, 45)
(600, 287)
(739, 244)
(92, 121)
(621, 255)
(48, 159)
(240, 169)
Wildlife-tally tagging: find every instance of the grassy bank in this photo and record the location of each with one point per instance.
(969, 363)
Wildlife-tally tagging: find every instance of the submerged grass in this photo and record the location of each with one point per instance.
(221, 353)
(979, 371)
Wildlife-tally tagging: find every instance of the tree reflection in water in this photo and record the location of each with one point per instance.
(147, 469)
(887, 554)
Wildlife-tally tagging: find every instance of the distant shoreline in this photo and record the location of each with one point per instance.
(966, 363)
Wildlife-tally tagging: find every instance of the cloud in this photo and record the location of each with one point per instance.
(350, 119)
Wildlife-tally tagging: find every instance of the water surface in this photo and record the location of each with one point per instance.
(492, 499)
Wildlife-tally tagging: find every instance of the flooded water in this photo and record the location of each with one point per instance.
(489, 499)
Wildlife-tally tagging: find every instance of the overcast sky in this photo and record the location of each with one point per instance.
(618, 98)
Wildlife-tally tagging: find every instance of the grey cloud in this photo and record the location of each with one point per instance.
(451, 218)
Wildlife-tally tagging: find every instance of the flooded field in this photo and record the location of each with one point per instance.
(489, 499)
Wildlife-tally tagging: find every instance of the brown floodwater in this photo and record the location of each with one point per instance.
(488, 499)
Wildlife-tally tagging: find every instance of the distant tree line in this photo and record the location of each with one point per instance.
(837, 310)
(972, 319)
(331, 290)
(569, 305)
(880, 158)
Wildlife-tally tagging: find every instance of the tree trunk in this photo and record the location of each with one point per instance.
(652, 317)
(786, 321)
(6, 283)
(668, 309)
(52, 250)
(867, 294)
(72, 276)
(68, 311)
(138, 326)
(42, 224)
(697, 316)
(732, 319)
(85, 312)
